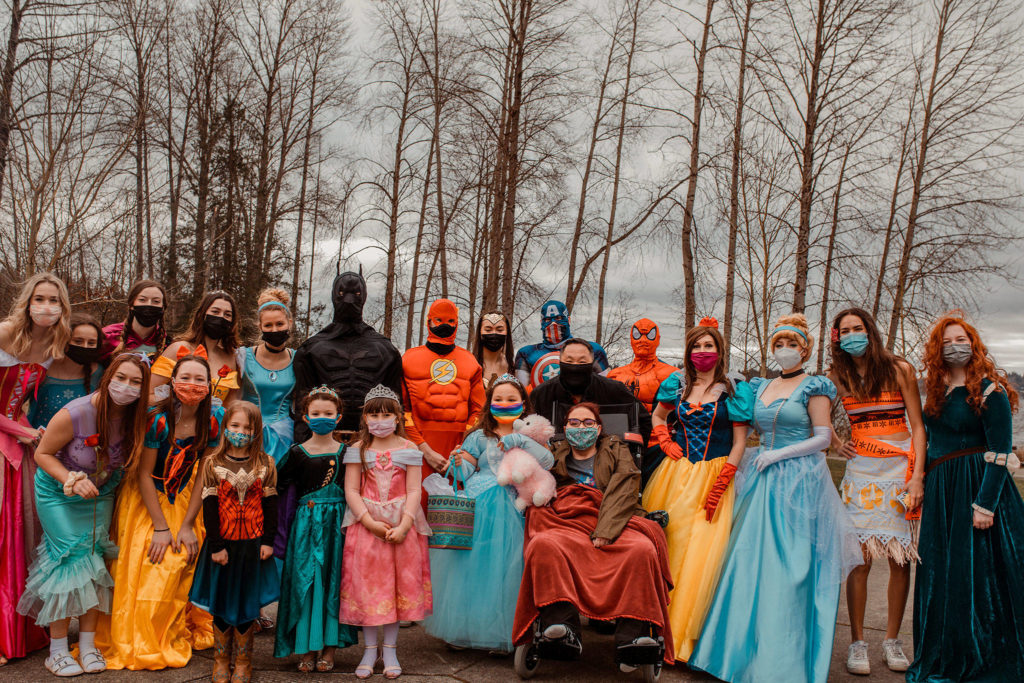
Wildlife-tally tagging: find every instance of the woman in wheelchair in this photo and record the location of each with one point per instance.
(593, 552)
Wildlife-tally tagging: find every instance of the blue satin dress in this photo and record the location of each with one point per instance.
(271, 390)
(773, 616)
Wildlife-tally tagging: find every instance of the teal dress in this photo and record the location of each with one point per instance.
(53, 394)
(271, 390)
(969, 589)
(773, 617)
(307, 615)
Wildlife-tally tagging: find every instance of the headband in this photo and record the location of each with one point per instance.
(275, 302)
(790, 328)
(494, 318)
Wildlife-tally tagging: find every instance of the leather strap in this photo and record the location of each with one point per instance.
(952, 456)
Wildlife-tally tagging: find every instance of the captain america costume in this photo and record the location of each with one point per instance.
(536, 363)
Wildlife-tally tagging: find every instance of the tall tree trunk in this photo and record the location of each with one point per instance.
(6, 97)
(827, 280)
(893, 206)
(410, 313)
(306, 148)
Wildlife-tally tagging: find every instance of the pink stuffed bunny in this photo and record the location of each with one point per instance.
(533, 484)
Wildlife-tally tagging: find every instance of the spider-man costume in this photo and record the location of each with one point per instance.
(443, 389)
(537, 363)
(646, 373)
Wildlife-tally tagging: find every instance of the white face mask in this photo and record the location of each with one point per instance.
(122, 394)
(788, 358)
(44, 316)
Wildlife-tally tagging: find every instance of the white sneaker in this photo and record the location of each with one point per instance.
(857, 658)
(64, 665)
(894, 657)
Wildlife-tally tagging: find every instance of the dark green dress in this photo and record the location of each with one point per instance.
(969, 591)
(307, 618)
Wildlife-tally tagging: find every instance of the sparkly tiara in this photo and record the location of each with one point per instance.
(494, 318)
(381, 391)
(324, 389)
(512, 379)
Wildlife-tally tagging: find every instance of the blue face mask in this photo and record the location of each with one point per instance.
(238, 439)
(854, 343)
(581, 438)
(322, 425)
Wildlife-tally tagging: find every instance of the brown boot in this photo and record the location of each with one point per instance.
(221, 655)
(243, 656)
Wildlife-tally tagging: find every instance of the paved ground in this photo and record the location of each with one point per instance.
(426, 659)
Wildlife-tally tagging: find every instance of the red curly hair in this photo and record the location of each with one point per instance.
(979, 368)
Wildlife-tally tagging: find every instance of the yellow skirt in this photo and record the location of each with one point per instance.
(696, 547)
(151, 625)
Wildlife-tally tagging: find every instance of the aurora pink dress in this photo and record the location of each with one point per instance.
(382, 582)
(19, 527)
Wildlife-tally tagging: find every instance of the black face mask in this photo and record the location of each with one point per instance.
(575, 376)
(147, 316)
(82, 355)
(276, 338)
(442, 331)
(216, 327)
(493, 342)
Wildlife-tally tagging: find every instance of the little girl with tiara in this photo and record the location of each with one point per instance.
(236, 575)
(386, 568)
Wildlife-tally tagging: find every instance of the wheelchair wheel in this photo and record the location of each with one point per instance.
(527, 661)
(651, 672)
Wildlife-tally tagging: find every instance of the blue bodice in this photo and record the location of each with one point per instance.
(271, 390)
(785, 420)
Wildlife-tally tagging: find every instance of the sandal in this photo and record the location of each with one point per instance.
(323, 666)
(306, 666)
(364, 671)
(92, 661)
(392, 672)
(264, 623)
(63, 665)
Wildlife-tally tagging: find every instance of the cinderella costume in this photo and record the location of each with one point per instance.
(792, 544)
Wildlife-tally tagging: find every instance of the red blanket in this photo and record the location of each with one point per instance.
(628, 578)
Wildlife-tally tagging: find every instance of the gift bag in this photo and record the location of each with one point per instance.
(450, 516)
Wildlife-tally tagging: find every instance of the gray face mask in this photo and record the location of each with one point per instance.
(788, 358)
(957, 355)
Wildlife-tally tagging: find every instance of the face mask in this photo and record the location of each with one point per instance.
(216, 327)
(854, 343)
(703, 361)
(238, 439)
(508, 413)
(122, 394)
(277, 338)
(381, 427)
(788, 358)
(191, 394)
(957, 355)
(81, 354)
(442, 331)
(581, 438)
(147, 316)
(322, 425)
(575, 376)
(493, 342)
(44, 316)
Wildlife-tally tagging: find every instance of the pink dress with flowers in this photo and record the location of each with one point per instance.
(384, 582)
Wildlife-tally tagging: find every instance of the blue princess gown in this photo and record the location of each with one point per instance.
(773, 616)
(271, 390)
(475, 591)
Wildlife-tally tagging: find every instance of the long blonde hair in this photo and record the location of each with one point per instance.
(57, 337)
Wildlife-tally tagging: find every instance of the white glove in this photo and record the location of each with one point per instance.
(815, 444)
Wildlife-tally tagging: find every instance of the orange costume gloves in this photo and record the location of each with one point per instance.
(665, 441)
(718, 489)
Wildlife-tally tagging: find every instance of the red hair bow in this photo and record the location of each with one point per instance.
(708, 321)
(198, 351)
(835, 334)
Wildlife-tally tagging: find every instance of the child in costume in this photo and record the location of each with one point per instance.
(386, 568)
(307, 617)
(236, 575)
(152, 625)
(475, 590)
(81, 458)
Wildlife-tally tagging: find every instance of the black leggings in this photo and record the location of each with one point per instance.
(223, 626)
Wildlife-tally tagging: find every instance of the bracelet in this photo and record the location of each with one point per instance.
(69, 483)
(160, 531)
(983, 510)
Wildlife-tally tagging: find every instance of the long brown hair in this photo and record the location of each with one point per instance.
(692, 336)
(478, 347)
(135, 420)
(378, 405)
(881, 366)
(254, 450)
(161, 332)
(170, 405)
(980, 367)
(194, 334)
(486, 422)
(78, 320)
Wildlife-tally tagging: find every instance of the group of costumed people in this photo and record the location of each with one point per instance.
(164, 490)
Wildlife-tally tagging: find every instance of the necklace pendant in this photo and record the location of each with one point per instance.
(273, 375)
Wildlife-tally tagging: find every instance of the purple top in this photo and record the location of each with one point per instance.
(79, 457)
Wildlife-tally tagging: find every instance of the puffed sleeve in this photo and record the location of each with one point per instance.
(216, 417)
(818, 385)
(741, 403)
(668, 392)
(162, 366)
(997, 420)
(158, 430)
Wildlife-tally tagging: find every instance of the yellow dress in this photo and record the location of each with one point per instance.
(696, 547)
(152, 625)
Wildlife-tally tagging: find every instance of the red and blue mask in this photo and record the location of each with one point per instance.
(554, 322)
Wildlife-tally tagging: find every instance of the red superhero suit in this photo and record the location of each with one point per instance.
(646, 373)
(443, 388)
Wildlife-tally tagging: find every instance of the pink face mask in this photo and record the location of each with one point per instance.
(44, 316)
(122, 394)
(381, 426)
(704, 361)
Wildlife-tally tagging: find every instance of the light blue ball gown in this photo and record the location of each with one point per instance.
(792, 544)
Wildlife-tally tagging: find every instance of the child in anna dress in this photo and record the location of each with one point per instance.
(386, 568)
(236, 574)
